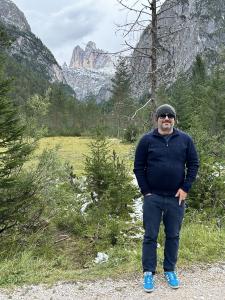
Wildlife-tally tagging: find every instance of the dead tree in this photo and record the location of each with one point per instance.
(147, 14)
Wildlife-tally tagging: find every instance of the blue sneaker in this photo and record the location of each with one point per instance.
(148, 282)
(172, 279)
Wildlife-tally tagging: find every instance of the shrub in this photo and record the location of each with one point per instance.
(131, 133)
(208, 191)
(111, 189)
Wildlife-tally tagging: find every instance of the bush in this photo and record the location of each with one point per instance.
(208, 191)
(131, 133)
(111, 189)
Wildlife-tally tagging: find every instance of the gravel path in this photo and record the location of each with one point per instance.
(197, 283)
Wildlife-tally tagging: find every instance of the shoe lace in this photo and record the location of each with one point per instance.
(148, 278)
(172, 275)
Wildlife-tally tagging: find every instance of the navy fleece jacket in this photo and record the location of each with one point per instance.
(163, 166)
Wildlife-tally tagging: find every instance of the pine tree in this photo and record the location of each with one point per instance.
(190, 96)
(180, 98)
(112, 192)
(121, 101)
(13, 154)
(216, 101)
(108, 179)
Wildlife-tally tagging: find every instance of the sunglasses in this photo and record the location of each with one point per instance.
(170, 116)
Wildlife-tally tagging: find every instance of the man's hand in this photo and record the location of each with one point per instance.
(182, 195)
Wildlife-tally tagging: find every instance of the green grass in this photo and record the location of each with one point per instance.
(73, 149)
(199, 244)
(202, 243)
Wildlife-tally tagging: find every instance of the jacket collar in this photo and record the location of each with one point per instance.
(175, 132)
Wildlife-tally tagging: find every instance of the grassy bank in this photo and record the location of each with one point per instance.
(200, 243)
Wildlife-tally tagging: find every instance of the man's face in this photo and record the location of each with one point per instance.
(166, 122)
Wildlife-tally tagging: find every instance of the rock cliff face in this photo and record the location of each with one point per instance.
(10, 14)
(198, 27)
(90, 72)
(27, 48)
(90, 58)
(88, 82)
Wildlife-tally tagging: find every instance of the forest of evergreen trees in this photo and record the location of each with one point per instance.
(198, 98)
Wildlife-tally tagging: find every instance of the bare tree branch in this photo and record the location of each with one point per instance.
(112, 53)
(134, 23)
(140, 108)
(132, 9)
(131, 23)
(158, 34)
(137, 49)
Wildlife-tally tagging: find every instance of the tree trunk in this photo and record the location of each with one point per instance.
(153, 52)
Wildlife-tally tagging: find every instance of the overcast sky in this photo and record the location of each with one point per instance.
(63, 24)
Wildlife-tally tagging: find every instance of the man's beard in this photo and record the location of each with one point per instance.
(166, 128)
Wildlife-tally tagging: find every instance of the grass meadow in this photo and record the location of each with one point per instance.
(74, 149)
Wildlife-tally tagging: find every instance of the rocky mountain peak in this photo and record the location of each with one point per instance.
(11, 15)
(26, 47)
(90, 45)
(90, 72)
(90, 58)
(78, 49)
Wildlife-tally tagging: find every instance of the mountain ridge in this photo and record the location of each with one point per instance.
(91, 58)
(90, 72)
(203, 33)
(26, 47)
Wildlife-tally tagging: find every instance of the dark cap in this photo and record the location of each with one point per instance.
(165, 109)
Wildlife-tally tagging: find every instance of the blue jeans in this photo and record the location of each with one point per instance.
(155, 208)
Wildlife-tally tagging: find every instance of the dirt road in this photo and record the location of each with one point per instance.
(198, 283)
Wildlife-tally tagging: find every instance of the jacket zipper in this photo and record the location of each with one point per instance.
(167, 142)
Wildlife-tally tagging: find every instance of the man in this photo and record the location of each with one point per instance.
(166, 164)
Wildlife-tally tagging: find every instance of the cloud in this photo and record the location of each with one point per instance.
(63, 24)
(67, 24)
